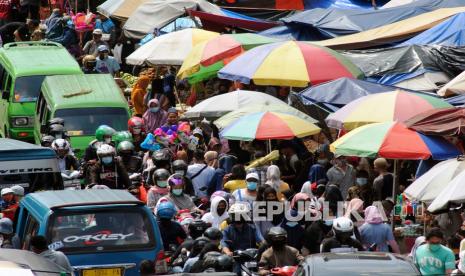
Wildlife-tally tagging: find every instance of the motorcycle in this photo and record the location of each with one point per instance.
(284, 271)
(247, 259)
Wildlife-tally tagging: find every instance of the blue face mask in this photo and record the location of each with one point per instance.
(328, 222)
(252, 186)
(177, 192)
(291, 223)
(154, 109)
(361, 181)
(162, 184)
(107, 160)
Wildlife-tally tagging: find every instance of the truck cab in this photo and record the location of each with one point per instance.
(102, 232)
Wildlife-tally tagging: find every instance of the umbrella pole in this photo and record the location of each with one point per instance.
(394, 185)
(269, 146)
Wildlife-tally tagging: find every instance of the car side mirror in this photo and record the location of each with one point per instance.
(5, 95)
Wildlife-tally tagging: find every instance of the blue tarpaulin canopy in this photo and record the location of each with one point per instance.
(334, 22)
(342, 4)
(449, 33)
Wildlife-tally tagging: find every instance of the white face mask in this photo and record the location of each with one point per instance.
(179, 172)
(107, 140)
(137, 130)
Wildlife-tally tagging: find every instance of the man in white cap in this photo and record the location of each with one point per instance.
(106, 64)
(18, 193)
(248, 194)
(91, 47)
(8, 204)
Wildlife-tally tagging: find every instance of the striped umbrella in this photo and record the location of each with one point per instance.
(383, 107)
(267, 126)
(392, 140)
(289, 63)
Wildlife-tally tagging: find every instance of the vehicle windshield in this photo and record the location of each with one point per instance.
(27, 89)
(84, 121)
(108, 230)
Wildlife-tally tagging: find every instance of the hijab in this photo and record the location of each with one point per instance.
(273, 177)
(372, 215)
(154, 120)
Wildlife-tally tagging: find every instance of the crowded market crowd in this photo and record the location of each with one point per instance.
(204, 190)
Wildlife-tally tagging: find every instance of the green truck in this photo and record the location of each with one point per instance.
(84, 102)
(23, 67)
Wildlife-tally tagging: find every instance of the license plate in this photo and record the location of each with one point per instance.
(103, 272)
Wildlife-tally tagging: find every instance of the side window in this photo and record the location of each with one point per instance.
(39, 104)
(2, 74)
(7, 81)
(32, 227)
(44, 113)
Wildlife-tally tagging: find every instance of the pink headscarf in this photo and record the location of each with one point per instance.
(298, 197)
(372, 215)
(355, 204)
(154, 120)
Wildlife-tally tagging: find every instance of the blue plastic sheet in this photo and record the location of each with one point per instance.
(342, 4)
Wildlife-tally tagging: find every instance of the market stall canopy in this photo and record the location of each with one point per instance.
(169, 49)
(334, 22)
(448, 33)
(383, 107)
(393, 32)
(268, 125)
(454, 87)
(342, 91)
(289, 63)
(453, 192)
(158, 13)
(119, 9)
(219, 105)
(393, 140)
(430, 184)
(227, 119)
(444, 121)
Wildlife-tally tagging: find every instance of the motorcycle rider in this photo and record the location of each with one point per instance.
(214, 235)
(218, 212)
(180, 167)
(103, 135)
(121, 136)
(342, 240)
(68, 164)
(171, 231)
(46, 141)
(279, 254)
(161, 159)
(130, 160)
(177, 195)
(137, 129)
(159, 189)
(108, 170)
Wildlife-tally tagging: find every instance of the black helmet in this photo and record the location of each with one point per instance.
(197, 227)
(161, 174)
(56, 121)
(224, 263)
(213, 234)
(161, 155)
(277, 235)
(46, 141)
(179, 165)
(56, 129)
(199, 244)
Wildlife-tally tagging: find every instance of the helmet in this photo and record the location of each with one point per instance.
(89, 59)
(199, 244)
(125, 146)
(47, 140)
(176, 180)
(103, 131)
(161, 155)
(105, 149)
(136, 123)
(276, 233)
(161, 174)
(56, 129)
(197, 227)
(343, 225)
(179, 165)
(166, 210)
(121, 136)
(60, 144)
(239, 211)
(56, 121)
(224, 263)
(213, 233)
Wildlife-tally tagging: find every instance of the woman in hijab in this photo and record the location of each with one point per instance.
(138, 94)
(218, 212)
(376, 233)
(268, 198)
(154, 117)
(273, 179)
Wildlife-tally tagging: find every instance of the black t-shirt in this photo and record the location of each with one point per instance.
(7, 31)
(171, 233)
(334, 244)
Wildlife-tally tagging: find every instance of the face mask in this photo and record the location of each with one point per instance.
(58, 136)
(252, 186)
(179, 172)
(177, 192)
(136, 130)
(107, 160)
(322, 162)
(361, 181)
(107, 140)
(434, 247)
(162, 184)
(291, 223)
(154, 109)
(220, 211)
(328, 222)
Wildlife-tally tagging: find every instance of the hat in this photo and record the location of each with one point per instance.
(172, 110)
(97, 32)
(7, 191)
(6, 226)
(102, 48)
(252, 175)
(18, 190)
(197, 131)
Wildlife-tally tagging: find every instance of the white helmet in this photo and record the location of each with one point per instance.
(105, 149)
(343, 225)
(60, 144)
(239, 210)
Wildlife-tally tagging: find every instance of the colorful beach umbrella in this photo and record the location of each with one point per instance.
(383, 107)
(220, 50)
(289, 63)
(169, 49)
(268, 125)
(393, 140)
(444, 121)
